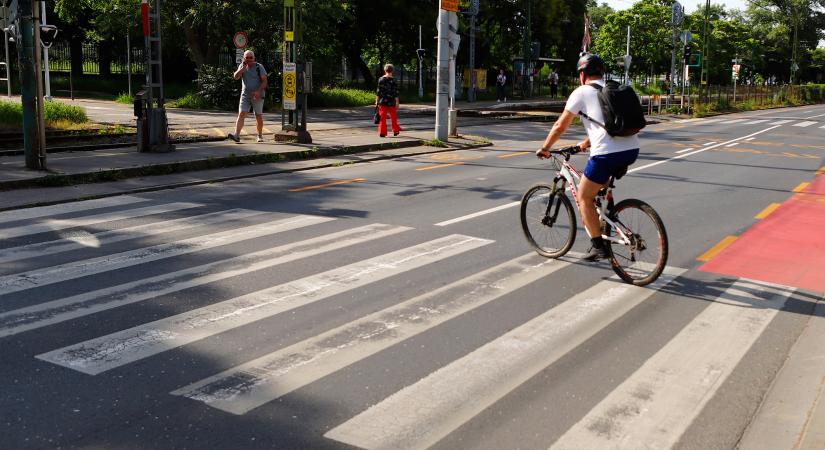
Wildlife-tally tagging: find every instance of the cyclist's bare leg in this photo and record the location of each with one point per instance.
(587, 205)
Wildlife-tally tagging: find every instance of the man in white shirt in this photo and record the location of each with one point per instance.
(608, 154)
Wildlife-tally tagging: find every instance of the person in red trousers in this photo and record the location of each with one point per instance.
(386, 98)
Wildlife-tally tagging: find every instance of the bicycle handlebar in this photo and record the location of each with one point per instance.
(567, 151)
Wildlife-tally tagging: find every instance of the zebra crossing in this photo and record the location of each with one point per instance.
(745, 121)
(419, 414)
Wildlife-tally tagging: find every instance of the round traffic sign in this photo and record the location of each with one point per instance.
(241, 40)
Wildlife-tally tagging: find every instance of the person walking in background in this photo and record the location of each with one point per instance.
(554, 83)
(253, 79)
(387, 100)
(501, 81)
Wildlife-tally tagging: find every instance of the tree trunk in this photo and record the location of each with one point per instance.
(104, 49)
(76, 52)
(193, 41)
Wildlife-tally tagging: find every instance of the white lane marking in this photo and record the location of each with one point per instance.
(804, 124)
(421, 414)
(65, 208)
(685, 155)
(823, 126)
(750, 139)
(708, 143)
(780, 122)
(733, 121)
(56, 225)
(685, 150)
(818, 115)
(117, 349)
(477, 214)
(732, 145)
(682, 155)
(68, 271)
(74, 241)
(754, 122)
(247, 386)
(659, 401)
(49, 313)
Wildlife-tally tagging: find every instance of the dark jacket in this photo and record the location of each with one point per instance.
(387, 91)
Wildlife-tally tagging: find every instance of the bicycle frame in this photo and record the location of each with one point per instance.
(569, 177)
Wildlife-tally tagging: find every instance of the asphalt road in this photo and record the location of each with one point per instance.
(396, 304)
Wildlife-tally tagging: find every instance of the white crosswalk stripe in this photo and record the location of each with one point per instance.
(68, 271)
(49, 313)
(67, 208)
(108, 352)
(75, 241)
(754, 122)
(733, 121)
(56, 225)
(250, 385)
(661, 399)
(423, 413)
(780, 122)
(804, 124)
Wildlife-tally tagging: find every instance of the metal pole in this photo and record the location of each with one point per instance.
(471, 95)
(45, 52)
(41, 123)
(129, 61)
(8, 76)
(442, 84)
(627, 52)
(420, 66)
(704, 76)
(28, 77)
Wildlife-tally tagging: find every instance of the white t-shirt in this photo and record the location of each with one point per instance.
(586, 98)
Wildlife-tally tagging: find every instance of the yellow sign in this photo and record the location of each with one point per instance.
(449, 5)
(290, 86)
(289, 36)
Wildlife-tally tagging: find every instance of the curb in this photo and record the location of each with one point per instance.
(329, 151)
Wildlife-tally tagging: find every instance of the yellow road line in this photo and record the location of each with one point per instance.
(321, 186)
(801, 187)
(716, 249)
(510, 155)
(821, 170)
(767, 211)
(439, 166)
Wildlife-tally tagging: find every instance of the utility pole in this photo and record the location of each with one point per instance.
(627, 58)
(28, 81)
(527, 49)
(675, 20)
(794, 55)
(45, 52)
(474, 7)
(420, 53)
(442, 84)
(703, 69)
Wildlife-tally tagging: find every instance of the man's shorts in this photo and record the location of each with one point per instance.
(600, 167)
(248, 103)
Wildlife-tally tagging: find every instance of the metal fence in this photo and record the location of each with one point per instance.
(60, 59)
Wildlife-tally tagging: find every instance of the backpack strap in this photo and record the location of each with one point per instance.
(598, 89)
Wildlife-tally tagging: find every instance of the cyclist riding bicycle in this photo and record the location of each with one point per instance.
(609, 155)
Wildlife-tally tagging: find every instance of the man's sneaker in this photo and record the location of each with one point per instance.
(259, 138)
(595, 254)
(234, 137)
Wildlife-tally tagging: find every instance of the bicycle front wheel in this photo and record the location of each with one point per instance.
(548, 220)
(642, 260)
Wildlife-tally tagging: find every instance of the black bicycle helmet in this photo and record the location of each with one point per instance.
(590, 64)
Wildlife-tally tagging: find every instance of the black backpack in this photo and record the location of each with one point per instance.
(623, 115)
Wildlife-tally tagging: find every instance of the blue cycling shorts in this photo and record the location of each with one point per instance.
(600, 167)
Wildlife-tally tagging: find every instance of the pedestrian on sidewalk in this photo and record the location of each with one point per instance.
(554, 83)
(253, 79)
(501, 81)
(387, 101)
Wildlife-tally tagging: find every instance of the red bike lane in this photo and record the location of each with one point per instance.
(786, 247)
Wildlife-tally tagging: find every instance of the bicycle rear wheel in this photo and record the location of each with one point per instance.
(643, 260)
(548, 220)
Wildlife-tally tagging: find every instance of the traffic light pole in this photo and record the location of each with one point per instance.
(442, 83)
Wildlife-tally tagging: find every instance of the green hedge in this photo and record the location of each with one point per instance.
(11, 113)
(336, 97)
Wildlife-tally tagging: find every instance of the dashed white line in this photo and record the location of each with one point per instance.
(780, 122)
(732, 144)
(807, 123)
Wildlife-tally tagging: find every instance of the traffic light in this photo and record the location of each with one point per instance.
(687, 51)
(48, 34)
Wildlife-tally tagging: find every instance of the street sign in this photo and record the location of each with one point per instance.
(686, 37)
(241, 40)
(676, 14)
(290, 85)
(238, 55)
(695, 60)
(449, 5)
(736, 68)
(289, 36)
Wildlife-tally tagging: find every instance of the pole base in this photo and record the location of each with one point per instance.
(300, 137)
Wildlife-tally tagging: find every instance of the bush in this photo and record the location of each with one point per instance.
(334, 97)
(217, 88)
(191, 100)
(11, 113)
(125, 98)
(55, 111)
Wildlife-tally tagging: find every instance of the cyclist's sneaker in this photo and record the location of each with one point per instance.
(234, 137)
(595, 254)
(259, 138)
